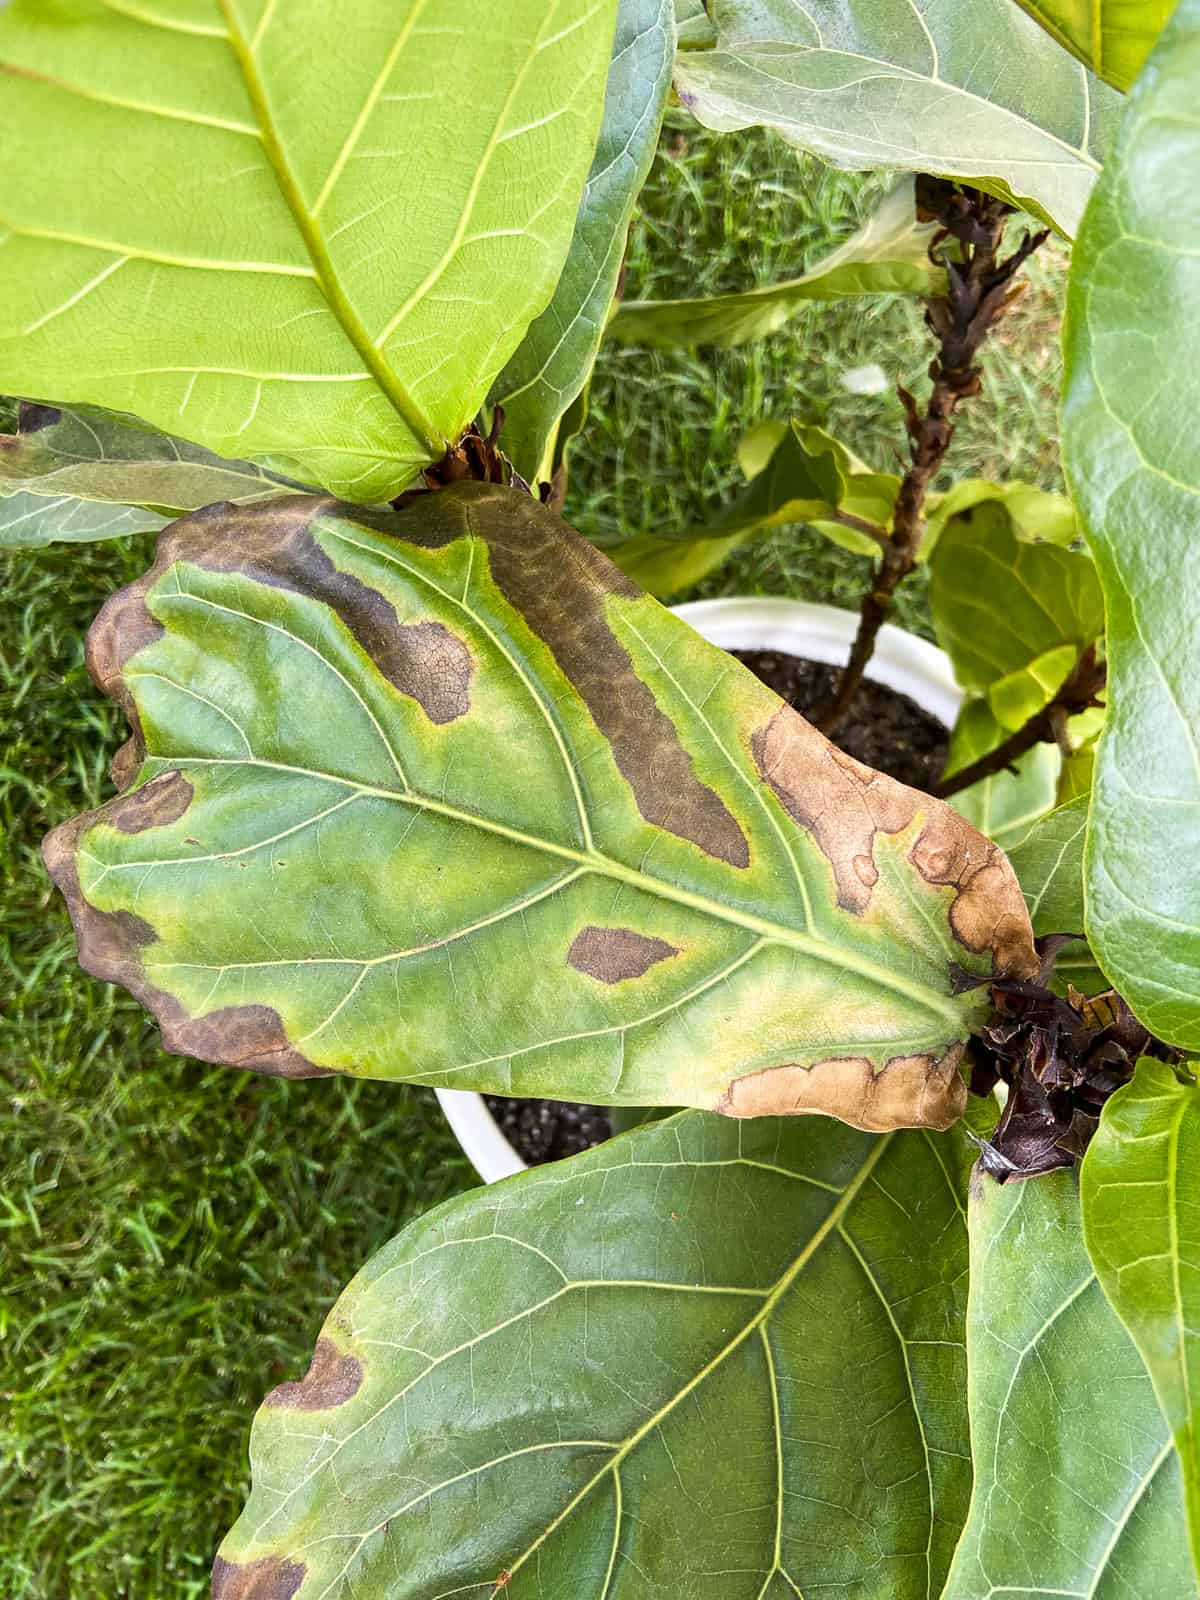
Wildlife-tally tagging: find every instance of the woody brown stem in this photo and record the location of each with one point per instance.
(1077, 694)
(978, 291)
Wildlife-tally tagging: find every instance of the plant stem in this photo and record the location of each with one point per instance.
(863, 525)
(977, 293)
(1078, 693)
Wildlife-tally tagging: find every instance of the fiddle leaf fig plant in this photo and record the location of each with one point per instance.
(421, 785)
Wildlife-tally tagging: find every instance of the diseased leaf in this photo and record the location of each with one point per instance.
(1112, 37)
(551, 365)
(889, 254)
(1014, 616)
(310, 245)
(800, 474)
(1133, 458)
(377, 886)
(1140, 1186)
(909, 84)
(29, 521)
(73, 457)
(1077, 1489)
(706, 1411)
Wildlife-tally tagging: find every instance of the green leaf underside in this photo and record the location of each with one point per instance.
(99, 475)
(708, 1411)
(1077, 1489)
(549, 368)
(1141, 1221)
(905, 83)
(311, 248)
(30, 521)
(807, 476)
(692, 25)
(1133, 355)
(887, 255)
(451, 801)
(1112, 37)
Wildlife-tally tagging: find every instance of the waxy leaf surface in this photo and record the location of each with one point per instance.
(98, 476)
(1112, 37)
(1133, 459)
(1013, 615)
(1048, 863)
(1140, 1185)
(1077, 1489)
(889, 254)
(442, 796)
(553, 361)
(969, 91)
(30, 521)
(702, 1361)
(309, 244)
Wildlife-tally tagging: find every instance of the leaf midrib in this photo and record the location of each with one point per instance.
(314, 242)
(596, 861)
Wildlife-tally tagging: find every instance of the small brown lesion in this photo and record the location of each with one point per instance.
(915, 1091)
(612, 955)
(332, 1378)
(272, 1578)
(156, 804)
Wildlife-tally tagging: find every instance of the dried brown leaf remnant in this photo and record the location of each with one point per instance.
(1060, 1061)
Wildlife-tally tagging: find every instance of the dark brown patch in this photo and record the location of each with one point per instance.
(273, 1578)
(613, 954)
(161, 801)
(844, 805)
(989, 911)
(110, 945)
(273, 545)
(331, 1380)
(559, 582)
(922, 1091)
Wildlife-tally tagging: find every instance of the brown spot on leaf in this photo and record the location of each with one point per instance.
(844, 804)
(110, 948)
(331, 1380)
(273, 1578)
(922, 1091)
(559, 583)
(985, 914)
(161, 801)
(613, 954)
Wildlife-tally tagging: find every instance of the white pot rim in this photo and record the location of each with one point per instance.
(903, 662)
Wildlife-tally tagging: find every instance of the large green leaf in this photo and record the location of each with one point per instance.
(687, 1363)
(89, 468)
(1140, 1185)
(889, 254)
(29, 521)
(797, 474)
(1112, 37)
(1048, 863)
(970, 91)
(1013, 615)
(693, 26)
(549, 368)
(442, 796)
(1133, 457)
(306, 243)
(1077, 1490)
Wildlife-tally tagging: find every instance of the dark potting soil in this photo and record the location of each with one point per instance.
(886, 730)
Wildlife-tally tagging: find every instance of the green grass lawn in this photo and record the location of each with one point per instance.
(173, 1235)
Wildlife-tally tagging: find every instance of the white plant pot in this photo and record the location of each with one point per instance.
(818, 633)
